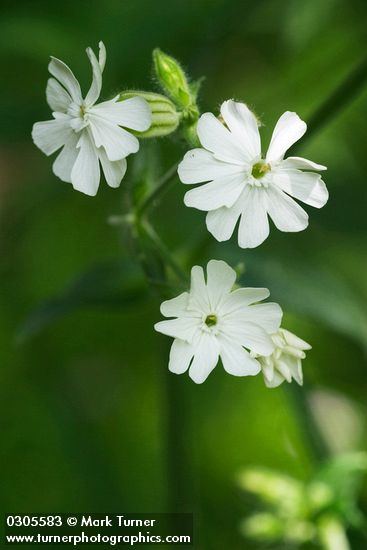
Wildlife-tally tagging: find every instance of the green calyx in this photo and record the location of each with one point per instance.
(260, 169)
(179, 109)
(211, 320)
(172, 78)
(165, 117)
(183, 93)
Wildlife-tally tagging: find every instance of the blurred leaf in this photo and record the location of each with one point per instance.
(344, 474)
(313, 291)
(275, 489)
(263, 526)
(112, 284)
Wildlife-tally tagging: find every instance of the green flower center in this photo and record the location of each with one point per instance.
(211, 320)
(260, 169)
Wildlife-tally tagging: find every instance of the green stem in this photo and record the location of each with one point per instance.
(178, 448)
(338, 99)
(306, 421)
(176, 409)
(161, 187)
(163, 252)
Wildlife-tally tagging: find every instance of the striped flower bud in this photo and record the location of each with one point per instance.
(165, 118)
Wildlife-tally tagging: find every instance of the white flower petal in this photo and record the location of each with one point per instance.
(308, 187)
(180, 356)
(205, 358)
(276, 380)
(241, 298)
(295, 369)
(249, 335)
(221, 222)
(57, 97)
(285, 212)
(200, 165)
(117, 142)
(176, 307)
(96, 86)
(299, 163)
(102, 55)
(223, 191)
(113, 171)
(283, 368)
(65, 76)
(267, 316)
(243, 124)
(85, 174)
(236, 360)
(131, 113)
(254, 224)
(198, 292)
(50, 135)
(215, 137)
(294, 341)
(183, 328)
(220, 280)
(65, 161)
(267, 367)
(289, 129)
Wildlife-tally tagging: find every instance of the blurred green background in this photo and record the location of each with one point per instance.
(90, 418)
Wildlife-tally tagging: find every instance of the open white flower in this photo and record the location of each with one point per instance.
(89, 134)
(212, 321)
(244, 184)
(285, 363)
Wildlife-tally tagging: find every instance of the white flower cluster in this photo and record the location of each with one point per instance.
(211, 321)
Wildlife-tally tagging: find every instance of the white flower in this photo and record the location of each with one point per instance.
(244, 184)
(89, 134)
(285, 361)
(211, 321)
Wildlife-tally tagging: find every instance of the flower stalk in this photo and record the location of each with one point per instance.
(152, 198)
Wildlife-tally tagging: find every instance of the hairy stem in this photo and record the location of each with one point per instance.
(163, 252)
(178, 446)
(176, 410)
(162, 186)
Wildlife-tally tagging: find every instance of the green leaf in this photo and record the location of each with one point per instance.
(112, 284)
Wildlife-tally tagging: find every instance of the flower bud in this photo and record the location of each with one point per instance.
(172, 78)
(165, 117)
